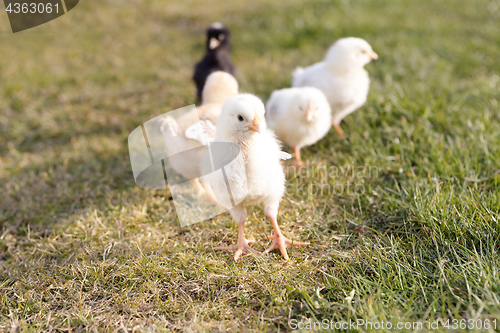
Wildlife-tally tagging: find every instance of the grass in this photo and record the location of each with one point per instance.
(83, 249)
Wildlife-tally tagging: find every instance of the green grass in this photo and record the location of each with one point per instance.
(83, 249)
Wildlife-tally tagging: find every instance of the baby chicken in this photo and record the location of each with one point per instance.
(255, 176)
(217, 56)
(340, 76)
(193, 128)
(299, 116)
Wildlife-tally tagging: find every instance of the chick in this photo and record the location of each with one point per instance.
(256, 172)
(299, 116)
(217, 56)
(192, 129)
(340, 76)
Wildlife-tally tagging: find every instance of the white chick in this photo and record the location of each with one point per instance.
(340, 76)
(256, 172)
(192, 129)
(299, 116)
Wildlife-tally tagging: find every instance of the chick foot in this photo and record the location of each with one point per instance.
(281, 242)
(243, 246)
(299, 163)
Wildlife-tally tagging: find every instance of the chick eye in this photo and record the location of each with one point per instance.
(221, 37)
(240, 117)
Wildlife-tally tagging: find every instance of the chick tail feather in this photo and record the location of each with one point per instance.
(284, 156)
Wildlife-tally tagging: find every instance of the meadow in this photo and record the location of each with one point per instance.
(403, 234)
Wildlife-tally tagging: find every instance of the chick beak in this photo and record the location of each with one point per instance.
(373, 56)
(255, 125)
(309, 114)
(214, 42)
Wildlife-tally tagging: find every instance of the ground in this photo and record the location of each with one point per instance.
(398, 230)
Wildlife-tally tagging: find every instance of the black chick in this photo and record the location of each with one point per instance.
(217, 57)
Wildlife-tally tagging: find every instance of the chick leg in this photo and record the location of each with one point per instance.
(297, 161)
(210, 195)
(279, 240)
(197, 187)
(243, 245)
(339, 130)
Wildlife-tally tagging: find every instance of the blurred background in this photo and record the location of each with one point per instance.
(73, 89)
